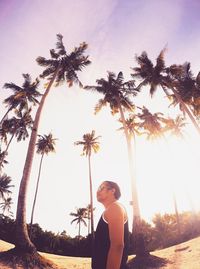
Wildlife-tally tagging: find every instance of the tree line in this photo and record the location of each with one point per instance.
(161, 233)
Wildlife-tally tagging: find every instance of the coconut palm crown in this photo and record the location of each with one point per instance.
(69, 63)
(115, 92)
(22, 95)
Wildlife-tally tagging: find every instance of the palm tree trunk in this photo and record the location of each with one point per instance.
(79, 230)
(91, 197)
(135, 203)
(89, 220)
(5, 115)
(9, 142)
(35, 197)
(22, 240)
(177, 217)
(138, 241)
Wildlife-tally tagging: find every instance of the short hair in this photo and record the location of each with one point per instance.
(115, 186)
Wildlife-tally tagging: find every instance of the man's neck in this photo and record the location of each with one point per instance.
(109, 202)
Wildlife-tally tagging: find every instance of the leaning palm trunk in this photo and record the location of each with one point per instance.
(23, 241)
(35, 197)
(91, 198)
(5, 115)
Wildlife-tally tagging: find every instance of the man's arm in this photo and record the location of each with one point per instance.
(115, 219)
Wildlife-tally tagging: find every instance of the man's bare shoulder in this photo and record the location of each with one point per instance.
(114, 209)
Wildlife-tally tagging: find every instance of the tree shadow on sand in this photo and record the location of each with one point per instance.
(16, 259)
(147, 262)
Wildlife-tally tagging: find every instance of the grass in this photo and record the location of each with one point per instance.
(182, 256)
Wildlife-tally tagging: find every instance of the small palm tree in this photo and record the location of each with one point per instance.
(6, 206)
(5, 185)
(175, 126)
(90, 144)
(45, 145)
(16, 127)
(3, 160)
(5, 129)
(22, 96)
(80, 215)
(151, 123)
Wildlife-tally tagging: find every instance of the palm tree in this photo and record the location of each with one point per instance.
(115, 93)
(90, 144)
(60, 67)
(16, 127)
(187, 86)
(177, 215)
(3, 160)
(5, 185)
(166, 78)
(5, 129)
(79, 215)
(151, 123)
(45, 145)
(6, 206)
(175, 125)
(22, 96)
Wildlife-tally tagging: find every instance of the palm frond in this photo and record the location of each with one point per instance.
(59, 45)
(101, 103)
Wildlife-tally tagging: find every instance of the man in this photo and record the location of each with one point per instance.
(111, 236)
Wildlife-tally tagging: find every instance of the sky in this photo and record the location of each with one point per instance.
(115, 32)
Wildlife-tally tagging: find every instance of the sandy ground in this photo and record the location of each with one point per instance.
(183, 256)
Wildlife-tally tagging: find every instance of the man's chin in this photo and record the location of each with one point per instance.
(98, 199)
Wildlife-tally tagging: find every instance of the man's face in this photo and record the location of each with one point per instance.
(103, 192)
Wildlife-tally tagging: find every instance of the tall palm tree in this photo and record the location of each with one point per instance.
(22, 96)
(79, 215)
(167, 78)
(62, 66)
(116, 93)
(5, 185)
(90, 144)
(45, 145)
(151, 123)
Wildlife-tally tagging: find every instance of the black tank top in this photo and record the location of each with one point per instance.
(102, 245)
